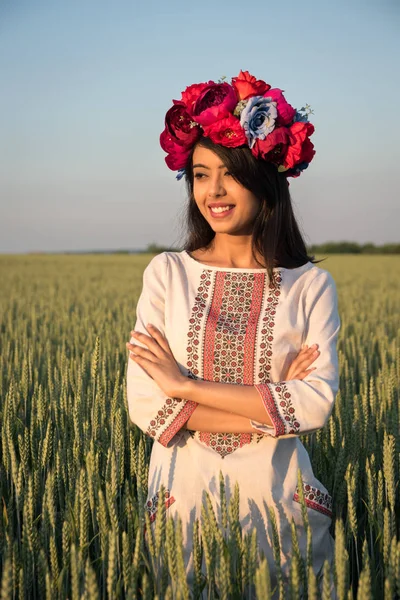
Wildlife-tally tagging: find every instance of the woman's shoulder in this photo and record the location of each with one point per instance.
(319, 273)
(318, 282)
(309, 279)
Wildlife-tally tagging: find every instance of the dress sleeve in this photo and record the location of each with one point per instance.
(159, 416)
(298, 407)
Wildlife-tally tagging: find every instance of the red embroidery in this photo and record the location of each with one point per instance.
(315, 498)
(178, 422)
(152, 503)
(271, 408)
(226, 443)
(267, 331)
(162, 416)
(285, 407)
(229, 339)
(195, 323)
(281, 411)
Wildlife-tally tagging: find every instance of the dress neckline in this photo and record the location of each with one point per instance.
(186, 255)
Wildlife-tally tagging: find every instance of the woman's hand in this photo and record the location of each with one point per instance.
(157, 360)
(298, 369)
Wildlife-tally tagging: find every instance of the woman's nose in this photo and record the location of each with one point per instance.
(216, 187)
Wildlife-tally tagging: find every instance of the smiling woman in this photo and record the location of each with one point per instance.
(262, 218)
(241, 359)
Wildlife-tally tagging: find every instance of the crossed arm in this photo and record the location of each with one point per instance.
(211, 415)
(162, 400)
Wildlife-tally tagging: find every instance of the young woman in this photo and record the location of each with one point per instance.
(220, 371)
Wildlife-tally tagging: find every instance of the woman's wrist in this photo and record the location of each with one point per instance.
(185, 388)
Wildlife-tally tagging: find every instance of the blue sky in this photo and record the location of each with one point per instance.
(85, 87)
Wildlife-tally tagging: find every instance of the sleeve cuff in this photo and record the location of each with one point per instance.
(170, 419)
(268, 400)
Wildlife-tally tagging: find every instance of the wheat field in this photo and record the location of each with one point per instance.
(73, 469)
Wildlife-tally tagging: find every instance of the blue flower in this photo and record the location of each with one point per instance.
(300, 117)
(302, 114)
(258, 118)
(180, 174)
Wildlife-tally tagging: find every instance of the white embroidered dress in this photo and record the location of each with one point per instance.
(229, 325)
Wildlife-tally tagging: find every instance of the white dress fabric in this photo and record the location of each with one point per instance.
(229, 325)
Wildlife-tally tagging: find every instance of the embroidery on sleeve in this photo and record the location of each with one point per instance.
(315, 499)
(173, 415)
(280, 411)
(285, 407)
(271, 408)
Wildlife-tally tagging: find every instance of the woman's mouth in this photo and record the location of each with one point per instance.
(221, 211)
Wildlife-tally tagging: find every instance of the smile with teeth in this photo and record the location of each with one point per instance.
(221, 209)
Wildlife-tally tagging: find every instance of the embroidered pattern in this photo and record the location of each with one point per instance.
(316, 499)
(171, 416)
(151, 505)
(234, 302)
(271, 408)
(286, 407)
(226, 443)
(196, 316)
(267, 331)
(281, 411)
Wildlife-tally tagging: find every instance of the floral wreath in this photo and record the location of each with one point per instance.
(245, 112)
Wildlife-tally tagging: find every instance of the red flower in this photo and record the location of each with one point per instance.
(177, 154)
(286, 112)
(192, 92)
(301, 149)
(179, 136)
(228, 132)
(179, 125)
(273, 147)
(215, 102)
(178, 159)
(247, 85)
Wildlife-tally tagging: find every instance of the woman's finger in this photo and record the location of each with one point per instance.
(157, 335)
(142, 352)
(150, 343)
(142, 362)
(305, 373)
(300, 363)
(303, 361)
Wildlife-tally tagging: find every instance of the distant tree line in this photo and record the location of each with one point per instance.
(326, 248)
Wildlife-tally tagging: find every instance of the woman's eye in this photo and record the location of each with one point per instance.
(199, 175)
(228, 173)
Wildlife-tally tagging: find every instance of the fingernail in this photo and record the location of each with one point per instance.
(314, 346)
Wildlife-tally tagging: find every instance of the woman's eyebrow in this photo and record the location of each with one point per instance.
(205, 167)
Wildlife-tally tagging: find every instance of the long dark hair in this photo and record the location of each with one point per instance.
(276, 234)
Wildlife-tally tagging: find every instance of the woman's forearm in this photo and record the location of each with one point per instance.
(206, 418)
(239, 400)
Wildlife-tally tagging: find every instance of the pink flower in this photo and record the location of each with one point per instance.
(286, 112)
(227, 132)
(192, 92)
(215, 102)
(247, 85)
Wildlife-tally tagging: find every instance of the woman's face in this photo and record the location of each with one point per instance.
(214, 185)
